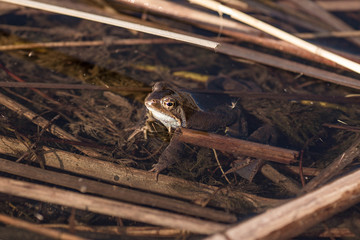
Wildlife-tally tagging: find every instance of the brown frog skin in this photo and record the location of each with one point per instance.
(176, 109)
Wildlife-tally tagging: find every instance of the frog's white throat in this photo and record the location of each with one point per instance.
(169, 121)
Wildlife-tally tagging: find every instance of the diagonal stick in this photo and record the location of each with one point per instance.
(242, 17)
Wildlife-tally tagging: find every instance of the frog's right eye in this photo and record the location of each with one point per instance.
(168, 103)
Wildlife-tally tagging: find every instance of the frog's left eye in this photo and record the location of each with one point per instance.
(168, 103)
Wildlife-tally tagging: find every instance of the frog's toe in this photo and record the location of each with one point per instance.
(143, 130)
(133, 134)
(156, 174)
(157, 168)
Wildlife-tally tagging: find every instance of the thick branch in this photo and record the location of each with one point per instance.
(238, 146)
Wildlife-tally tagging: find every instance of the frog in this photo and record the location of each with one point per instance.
(176, 109)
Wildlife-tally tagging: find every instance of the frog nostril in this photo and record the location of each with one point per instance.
(151, 102)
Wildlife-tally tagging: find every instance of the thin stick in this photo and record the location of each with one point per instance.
(38, 229)
(240, 16)
(339, 34)
(343, 127)
(50, 85)
(107, 207)
(295, 217)
(339, 5)
(221, 169)
(138, 231)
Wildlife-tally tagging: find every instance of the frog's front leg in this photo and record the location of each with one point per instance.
(169, 155)
(143, 127)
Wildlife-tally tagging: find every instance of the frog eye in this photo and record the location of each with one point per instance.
(168, 103)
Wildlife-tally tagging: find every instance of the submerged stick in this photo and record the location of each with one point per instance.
(238, 146)
(295, 217)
